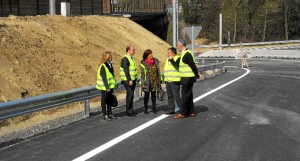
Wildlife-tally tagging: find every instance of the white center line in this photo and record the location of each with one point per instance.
(115, 141)
(119, 139)
(222, 86)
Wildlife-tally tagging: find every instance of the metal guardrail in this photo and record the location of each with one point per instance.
(38, 103)
(248, 44)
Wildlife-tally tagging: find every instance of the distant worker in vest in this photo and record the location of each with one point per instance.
(106, 82)
(128, 73)
(150, 79)
(172, 79)
(188, 74)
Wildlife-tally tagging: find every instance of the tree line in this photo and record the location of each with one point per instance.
(244, 20)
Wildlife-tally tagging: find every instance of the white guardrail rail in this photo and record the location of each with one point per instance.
(245, 44)
(33, 104)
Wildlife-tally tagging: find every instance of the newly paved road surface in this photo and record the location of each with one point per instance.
(255, 118)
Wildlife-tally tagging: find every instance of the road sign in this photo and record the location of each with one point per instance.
(193, 31)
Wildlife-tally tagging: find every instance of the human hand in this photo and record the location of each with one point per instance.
(108, 90)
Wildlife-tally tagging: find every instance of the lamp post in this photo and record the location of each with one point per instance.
(174, 23)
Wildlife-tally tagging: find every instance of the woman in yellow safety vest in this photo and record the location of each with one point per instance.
(106, 82)
(150, 79)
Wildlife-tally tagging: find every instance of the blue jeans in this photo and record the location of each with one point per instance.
(174, 99)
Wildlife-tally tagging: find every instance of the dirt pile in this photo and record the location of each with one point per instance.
(46, 54)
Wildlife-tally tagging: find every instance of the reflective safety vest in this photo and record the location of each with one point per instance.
(171, 74)
(132, 70)
(184, 69)
(111, 80)
(145, 72)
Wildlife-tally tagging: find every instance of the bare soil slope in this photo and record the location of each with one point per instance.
(46, 54)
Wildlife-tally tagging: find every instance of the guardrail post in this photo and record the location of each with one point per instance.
(136, 91)
(223, 68)
(87, 108)
(202, 61)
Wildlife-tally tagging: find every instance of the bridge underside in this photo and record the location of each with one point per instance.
(149, 14)
(157, 24)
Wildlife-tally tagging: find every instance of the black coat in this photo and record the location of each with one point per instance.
(187, 59)
(103, 73)
(125, 65)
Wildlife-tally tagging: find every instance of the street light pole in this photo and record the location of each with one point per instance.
(220, 38)
(174, 23)
(177, 20)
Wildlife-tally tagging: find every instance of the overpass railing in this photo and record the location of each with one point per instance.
(82, 7)
(249, 44)
(38, 103)
(138, 6)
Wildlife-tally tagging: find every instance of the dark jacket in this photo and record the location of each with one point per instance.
(146, 82)
(103, 73)
(125, 65)
(188, 59)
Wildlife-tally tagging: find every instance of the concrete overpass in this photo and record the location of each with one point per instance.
(152, 15)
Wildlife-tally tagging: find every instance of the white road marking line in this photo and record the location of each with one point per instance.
(118, 139)
(115, 141)
(222, 86)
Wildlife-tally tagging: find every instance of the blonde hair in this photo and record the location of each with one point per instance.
(103, 59)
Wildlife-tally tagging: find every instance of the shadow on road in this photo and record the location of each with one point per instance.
(200, 108)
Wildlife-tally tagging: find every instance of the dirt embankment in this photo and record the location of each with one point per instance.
(46, 54)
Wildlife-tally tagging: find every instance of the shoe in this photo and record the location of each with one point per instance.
(106, 118)
(154, 110)
(169, 113)
(192, 115)
(179, 116)
(110, 117)
(145, 111)
(131, 114)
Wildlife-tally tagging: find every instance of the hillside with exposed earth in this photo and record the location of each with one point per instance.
(46, 54)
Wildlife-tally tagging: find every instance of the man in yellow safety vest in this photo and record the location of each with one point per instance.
(172, 79)
(128, 73)
(188, 74)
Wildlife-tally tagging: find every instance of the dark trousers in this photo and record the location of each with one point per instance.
(129, 96)
(173, 95)
(105, 102)
(187, 106)
(153, 99)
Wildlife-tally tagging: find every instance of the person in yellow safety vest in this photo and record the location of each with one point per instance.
(188, 73)
(150, 79)
(172, 79)
(128, 73)
(106, 82)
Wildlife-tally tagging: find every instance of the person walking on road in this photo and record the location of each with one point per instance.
(172, 79)
(188, 73)
(106, 82)
(128, 73)
(150, 79)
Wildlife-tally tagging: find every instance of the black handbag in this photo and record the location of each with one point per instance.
(114, 101)
(160, 94)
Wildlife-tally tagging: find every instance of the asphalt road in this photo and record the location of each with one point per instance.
(255, 118)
